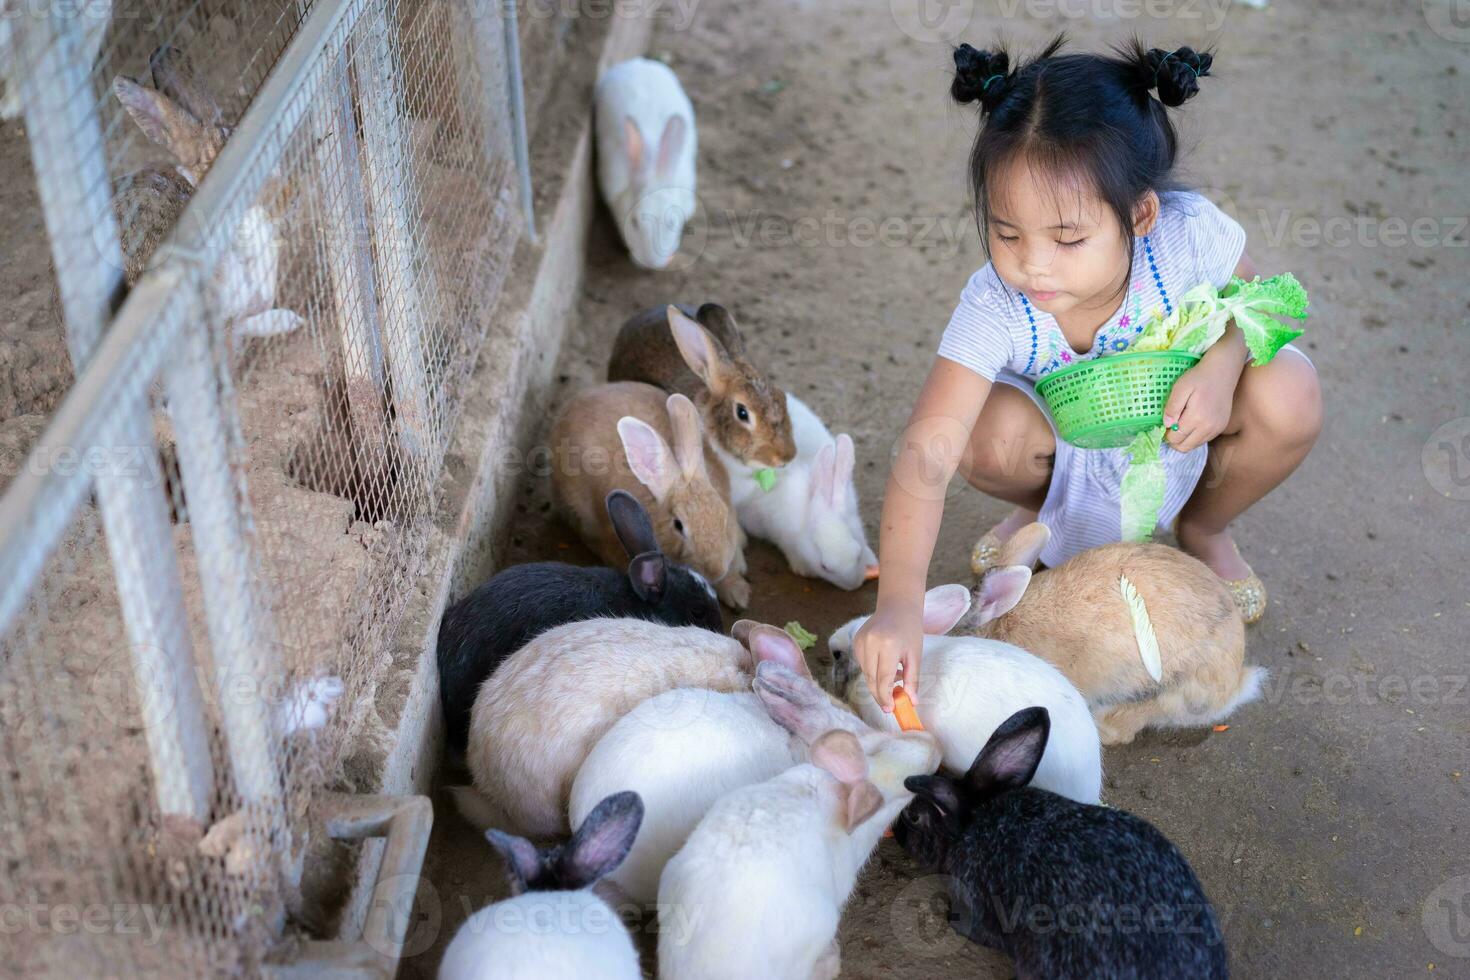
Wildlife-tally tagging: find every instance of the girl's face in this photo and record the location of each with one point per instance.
(1060, 245)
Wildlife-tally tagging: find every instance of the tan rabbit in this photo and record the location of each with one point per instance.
(635, 437)
(1075, 617)
(180, 115)
(701, 355)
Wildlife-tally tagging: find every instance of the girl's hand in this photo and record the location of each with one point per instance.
(891, 637)
(1200, 404)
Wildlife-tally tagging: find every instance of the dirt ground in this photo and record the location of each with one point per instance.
(1328, 822)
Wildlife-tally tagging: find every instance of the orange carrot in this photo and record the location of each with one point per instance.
(904, 711)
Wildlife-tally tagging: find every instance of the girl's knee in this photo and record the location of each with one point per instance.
(1286, 400)
(1011, 439)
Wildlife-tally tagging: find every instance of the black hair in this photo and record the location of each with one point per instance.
(1082, 116)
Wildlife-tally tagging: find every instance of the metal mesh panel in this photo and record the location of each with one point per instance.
(221, 529)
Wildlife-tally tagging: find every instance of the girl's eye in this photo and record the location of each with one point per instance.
(741, 413)
(1072, 244)
(1010, 238)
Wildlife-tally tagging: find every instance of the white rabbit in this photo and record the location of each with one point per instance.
(811, 511)
(553, 928)
(684, 749)
(764, 876)
(645, 157)
(543, 709)
(969, 685)
(180, 114)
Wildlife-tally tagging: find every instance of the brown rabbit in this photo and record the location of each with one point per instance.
(635, 437)
(180, 115)
(701, 355)
(1075, 617)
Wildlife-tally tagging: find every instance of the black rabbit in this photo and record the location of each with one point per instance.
(1066, 889)
(502, 615)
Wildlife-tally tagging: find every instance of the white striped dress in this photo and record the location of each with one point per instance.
(999, 335)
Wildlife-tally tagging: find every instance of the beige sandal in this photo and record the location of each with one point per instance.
(1249, 594)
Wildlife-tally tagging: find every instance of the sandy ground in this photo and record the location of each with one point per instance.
(1327, 823)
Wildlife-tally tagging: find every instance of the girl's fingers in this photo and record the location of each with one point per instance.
(911, 674)
(1175, 406)
(883, 693)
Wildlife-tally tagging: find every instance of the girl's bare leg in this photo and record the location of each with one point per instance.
(1276, 417)
(1010, 455)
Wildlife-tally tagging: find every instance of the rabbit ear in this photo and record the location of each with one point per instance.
(602, 842)
(161, 119)
(772, 645)
(794, 702)
(944, 605)
(721, 323)
(688, 435)
(1024, 547)
(1011, 755)
(940, 790)
(741, 631)
(842, 469)
(648, 574)
(840, 753)
(649, 457)
(823, 468)
(705, 355)
(633, 137)
(174, 76)
(671, 145)
(630, 522)
(522, 860)
(999, 591)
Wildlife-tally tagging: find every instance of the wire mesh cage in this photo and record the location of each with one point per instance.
(206, 554)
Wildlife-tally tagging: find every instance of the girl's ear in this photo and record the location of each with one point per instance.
(1146, 213)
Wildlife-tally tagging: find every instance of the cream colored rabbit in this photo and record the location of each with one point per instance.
(1075, 617)
(634, 437)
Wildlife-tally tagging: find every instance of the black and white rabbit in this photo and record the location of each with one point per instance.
(553, 927)
(1066, 889)
(505, 613)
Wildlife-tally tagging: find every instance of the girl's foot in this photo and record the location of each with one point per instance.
(986, 552)
(1218, 552)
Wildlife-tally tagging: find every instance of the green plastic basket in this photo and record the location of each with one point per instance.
(1103, 403)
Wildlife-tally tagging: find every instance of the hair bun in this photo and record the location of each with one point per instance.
(1175, 74)
(980, 76)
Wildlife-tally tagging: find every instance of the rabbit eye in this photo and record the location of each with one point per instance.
(678, 526)
(741, 413)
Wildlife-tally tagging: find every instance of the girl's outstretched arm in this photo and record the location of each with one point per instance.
(930, 449)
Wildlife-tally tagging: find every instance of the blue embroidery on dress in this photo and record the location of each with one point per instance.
(1059, 353)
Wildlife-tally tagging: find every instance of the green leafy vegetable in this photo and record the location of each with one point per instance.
(1198, 321)
(1142, 490)
(803, 639)
(766, 478)
(1200, 317)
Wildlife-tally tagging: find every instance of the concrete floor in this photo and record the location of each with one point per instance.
(1328, 824)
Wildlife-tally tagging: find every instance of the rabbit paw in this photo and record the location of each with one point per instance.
(267, 324)
(734, 591)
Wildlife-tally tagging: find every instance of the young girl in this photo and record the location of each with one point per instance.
(1087, 235)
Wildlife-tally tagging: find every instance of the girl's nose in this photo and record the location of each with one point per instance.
(1036, 258)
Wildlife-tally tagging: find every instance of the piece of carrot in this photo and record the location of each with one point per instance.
(870, 573)
(904, 712)
(1222, 728)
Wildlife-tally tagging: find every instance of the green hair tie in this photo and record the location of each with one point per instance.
(1165, 60)
(985, 85)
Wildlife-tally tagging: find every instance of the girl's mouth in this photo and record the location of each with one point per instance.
(1044, 296)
